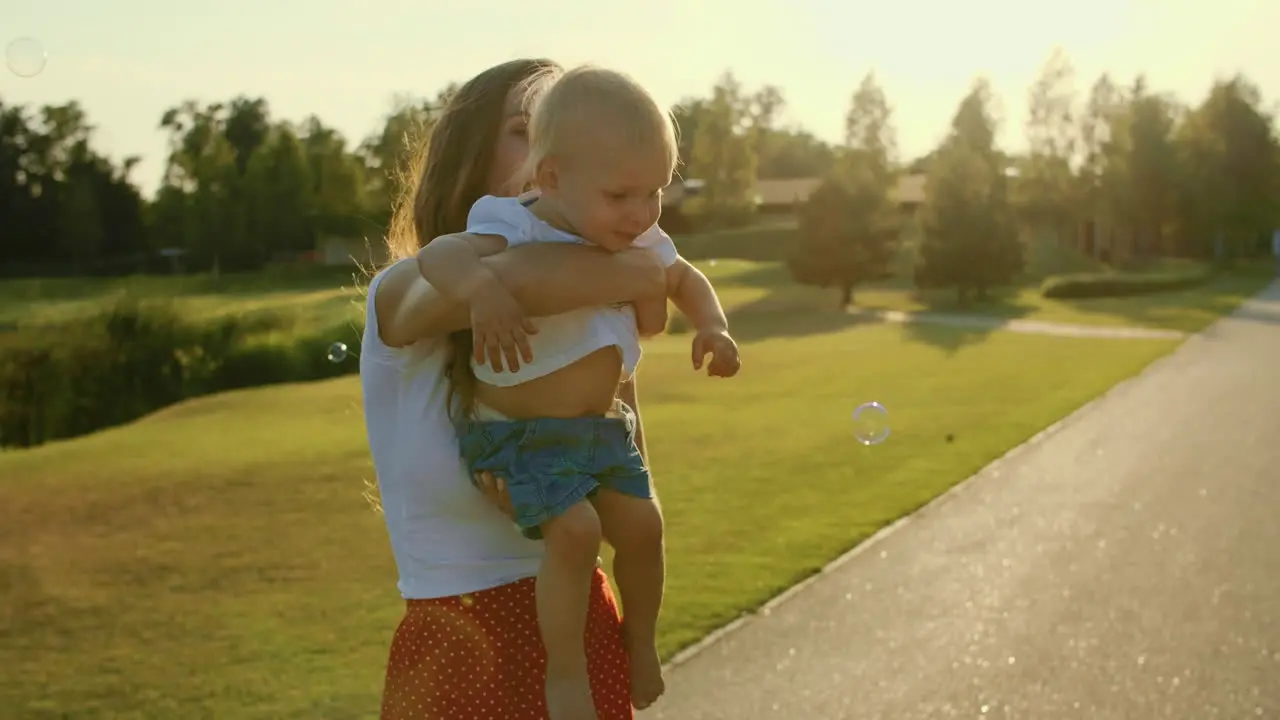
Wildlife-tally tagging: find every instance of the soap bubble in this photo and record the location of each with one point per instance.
(337, 352)
(25, 57)
(871, 423)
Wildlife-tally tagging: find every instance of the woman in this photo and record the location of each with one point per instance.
(468, 646)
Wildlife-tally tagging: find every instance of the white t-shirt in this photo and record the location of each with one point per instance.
(566, 338)
(446, 538)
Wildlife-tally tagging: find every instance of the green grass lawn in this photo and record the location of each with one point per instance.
(218, 559)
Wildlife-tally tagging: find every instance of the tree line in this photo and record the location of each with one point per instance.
(242, 188)
(1123, 172)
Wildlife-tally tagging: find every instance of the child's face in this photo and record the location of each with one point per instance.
(610, 193)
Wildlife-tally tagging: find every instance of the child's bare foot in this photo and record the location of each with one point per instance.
(569, 697)
(647, 684)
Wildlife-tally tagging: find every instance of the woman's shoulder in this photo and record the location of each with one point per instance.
(385, 288)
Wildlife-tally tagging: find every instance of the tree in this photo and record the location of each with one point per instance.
(764, 106)
(1130, 169)
(868, 125)
(970, 238)
(246, 126)
(63, 205)
(338, 180)
(723, 155)
(386, 154)
(1105, 103)
(685, 114)
(1046, 191)
(1230, 194)
(281, 193)
(202, 166)
(783, 152)
(81, 237)
(849, 227)
(848, 230)
(793, 153)
(1152, 167)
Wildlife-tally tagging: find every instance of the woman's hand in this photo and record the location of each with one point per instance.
(651, 317)
(494, 489)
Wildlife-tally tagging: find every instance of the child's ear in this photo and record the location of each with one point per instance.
(548, 173)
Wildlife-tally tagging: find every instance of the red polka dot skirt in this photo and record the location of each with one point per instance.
(480, 657)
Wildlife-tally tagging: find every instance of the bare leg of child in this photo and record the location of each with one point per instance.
(633, 526)
(563, 593)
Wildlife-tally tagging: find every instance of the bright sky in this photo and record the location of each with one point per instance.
(127, 61)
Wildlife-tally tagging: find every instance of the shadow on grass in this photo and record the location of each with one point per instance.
(1005, 303)
(776, 275)
(792, 310)
(944, 323)
(948, 337)
(762, 320)
(951, 332)
(787, 309)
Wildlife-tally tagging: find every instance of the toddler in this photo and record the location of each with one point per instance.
(540, 408)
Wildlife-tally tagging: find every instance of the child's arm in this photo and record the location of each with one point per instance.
(693, 295)
(452, 264)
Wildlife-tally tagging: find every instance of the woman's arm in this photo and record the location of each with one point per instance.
(545, 278)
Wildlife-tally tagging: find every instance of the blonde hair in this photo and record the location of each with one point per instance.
(566, 105)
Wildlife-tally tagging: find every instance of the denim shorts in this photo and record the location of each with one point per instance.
(551, 464)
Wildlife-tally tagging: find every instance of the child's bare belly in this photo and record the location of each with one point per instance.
(586, 387)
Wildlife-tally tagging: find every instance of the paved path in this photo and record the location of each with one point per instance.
(1124, 565)
(1037, 327)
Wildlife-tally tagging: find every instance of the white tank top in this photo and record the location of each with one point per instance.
(446, 538)
(562, 339)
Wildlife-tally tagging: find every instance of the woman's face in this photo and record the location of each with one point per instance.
(510, 148)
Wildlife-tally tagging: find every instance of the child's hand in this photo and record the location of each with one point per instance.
(723, 350)
(499, 329)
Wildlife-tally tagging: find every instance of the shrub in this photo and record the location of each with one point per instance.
(63, 381)
(1099, 285)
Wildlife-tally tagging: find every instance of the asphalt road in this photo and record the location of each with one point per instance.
(1126, 565)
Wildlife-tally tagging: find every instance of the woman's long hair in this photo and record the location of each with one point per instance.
(449, 171)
